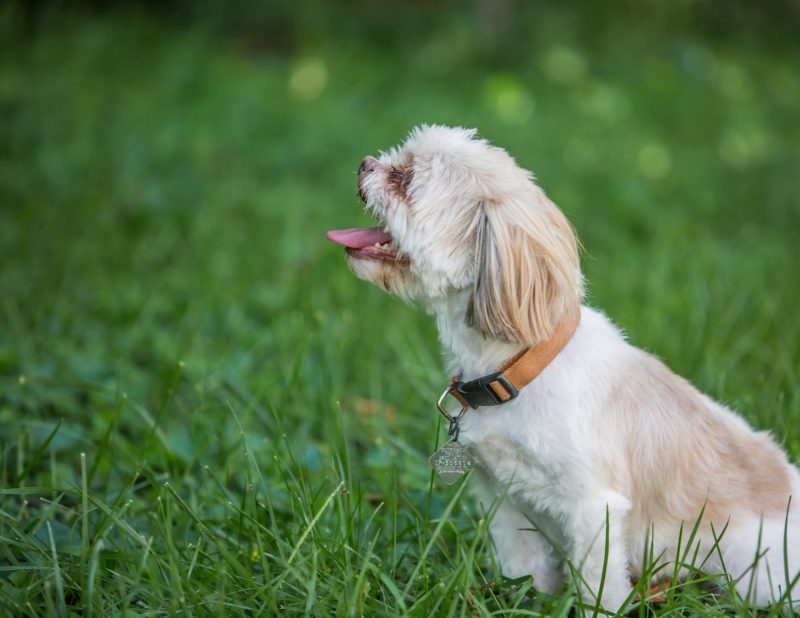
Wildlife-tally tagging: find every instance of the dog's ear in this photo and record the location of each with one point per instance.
(527, 270)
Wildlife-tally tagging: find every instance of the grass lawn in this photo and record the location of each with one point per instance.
(203, 412)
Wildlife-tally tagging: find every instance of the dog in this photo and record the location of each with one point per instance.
(612, 456)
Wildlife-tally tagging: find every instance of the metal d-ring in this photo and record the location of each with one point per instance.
(453, 430)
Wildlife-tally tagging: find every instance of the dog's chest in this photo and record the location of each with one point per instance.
(515, 453)
(504, 462)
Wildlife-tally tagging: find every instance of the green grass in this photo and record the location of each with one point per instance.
(202, 412)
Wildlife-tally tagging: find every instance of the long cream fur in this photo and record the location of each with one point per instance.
(526, 265)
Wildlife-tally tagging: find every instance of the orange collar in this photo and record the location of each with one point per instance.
(517, 372)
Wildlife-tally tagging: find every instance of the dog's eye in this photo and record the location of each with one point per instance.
(399, 179)
(405, 183)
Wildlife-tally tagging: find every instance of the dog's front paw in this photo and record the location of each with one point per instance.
(612, 600)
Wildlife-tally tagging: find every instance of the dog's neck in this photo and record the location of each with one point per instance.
(467, 351)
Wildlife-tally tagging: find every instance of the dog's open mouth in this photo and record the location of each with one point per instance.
(367, 242)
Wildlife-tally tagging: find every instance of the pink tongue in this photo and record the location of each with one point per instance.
(359, 237)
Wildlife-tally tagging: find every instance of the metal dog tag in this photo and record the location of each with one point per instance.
(451, 462)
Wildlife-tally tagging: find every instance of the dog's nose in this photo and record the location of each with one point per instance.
(368, 164)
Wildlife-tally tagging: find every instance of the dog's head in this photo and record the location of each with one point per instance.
(457, 214)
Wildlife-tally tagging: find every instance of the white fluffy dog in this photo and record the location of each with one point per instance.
(606, 442)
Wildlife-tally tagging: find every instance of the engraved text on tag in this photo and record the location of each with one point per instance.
(451, 462)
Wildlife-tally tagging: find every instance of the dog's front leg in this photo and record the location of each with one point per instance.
(598, 549)
(522, 550)
(519, 547)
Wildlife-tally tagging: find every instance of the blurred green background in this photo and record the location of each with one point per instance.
(169, 305)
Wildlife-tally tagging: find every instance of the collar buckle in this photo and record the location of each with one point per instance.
(489, 390)
(497, 394)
